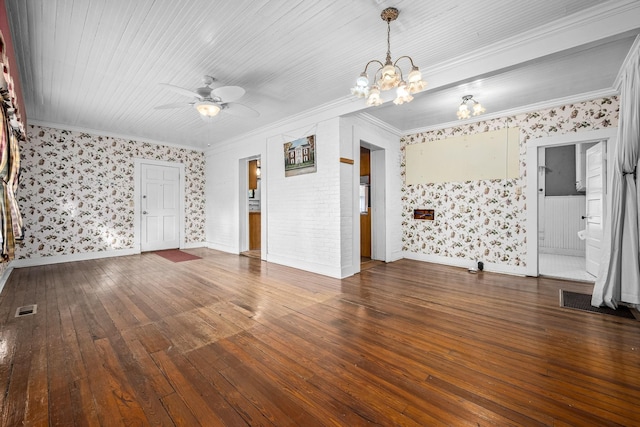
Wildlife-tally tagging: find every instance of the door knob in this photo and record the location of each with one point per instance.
(144, 212)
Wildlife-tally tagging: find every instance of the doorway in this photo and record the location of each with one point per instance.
(251, 197)
(561, 213)
(159, 200)
(372, 201)
(365, 205)
(562, 224)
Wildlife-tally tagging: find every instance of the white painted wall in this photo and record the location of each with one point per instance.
(309, 221)
(304, 210)
(300, 214)
(386, 204)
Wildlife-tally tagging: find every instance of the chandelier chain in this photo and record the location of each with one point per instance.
(388, 41)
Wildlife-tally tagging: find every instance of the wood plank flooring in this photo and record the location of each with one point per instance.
(232, 341)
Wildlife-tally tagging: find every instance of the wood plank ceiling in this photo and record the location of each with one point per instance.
(97, 65)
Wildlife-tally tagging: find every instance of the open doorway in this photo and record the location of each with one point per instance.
(372, 199)
(562, 204)
(592, 226)
(365, 205)
(251, 209)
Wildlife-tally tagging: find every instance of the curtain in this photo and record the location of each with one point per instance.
(10, 218)
(619, 274)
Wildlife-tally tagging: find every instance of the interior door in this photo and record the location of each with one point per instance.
(160, 203)
(542, 185)
(596, 184)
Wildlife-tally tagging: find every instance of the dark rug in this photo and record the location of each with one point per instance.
(582, 302)
(176, 255)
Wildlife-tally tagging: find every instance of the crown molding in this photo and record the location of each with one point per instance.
(624, 14)
(326, 111)
(109, 134)
(557, 102)
(379, 123)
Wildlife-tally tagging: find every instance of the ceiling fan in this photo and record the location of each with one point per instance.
(209, 101)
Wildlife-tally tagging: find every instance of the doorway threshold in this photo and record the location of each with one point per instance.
(255, 253)
(368, 263)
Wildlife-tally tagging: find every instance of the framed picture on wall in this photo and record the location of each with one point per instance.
(300, 156)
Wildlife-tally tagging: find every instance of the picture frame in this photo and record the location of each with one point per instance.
(300, 156)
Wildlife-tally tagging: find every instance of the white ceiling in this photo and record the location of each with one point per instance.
(96, 65)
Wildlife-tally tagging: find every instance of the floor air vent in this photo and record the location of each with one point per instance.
(26, 310)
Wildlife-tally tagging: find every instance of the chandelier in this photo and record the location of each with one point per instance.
(463, 109)
(389, 75)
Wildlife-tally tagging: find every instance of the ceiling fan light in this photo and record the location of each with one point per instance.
(208, 108)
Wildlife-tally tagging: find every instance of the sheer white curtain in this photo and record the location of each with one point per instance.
(619, 275)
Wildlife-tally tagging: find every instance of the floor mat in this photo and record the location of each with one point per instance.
(582, 302)
(176, 255)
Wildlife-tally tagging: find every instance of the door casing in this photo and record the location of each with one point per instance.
(609, 135)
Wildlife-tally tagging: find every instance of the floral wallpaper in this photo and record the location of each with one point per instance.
(76, 191)
(485, 220)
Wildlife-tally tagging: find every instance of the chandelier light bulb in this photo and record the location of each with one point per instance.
(416, 84)
(362, 80)
(402, 94)
(374, 97)
(463, 112)
(361, 89)
(478, 109)
(388, 77)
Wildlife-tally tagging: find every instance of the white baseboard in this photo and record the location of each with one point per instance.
(194, 245)
(222, 248)
(325, 270)
(396, 256)
(46, 260)
(567, 252)
(467, 263)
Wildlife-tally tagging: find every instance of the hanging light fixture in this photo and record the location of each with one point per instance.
(389, 75)
(207, 108)
(463, 110)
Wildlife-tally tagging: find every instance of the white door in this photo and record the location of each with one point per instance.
(596, 173)
(160, 228)
(542, 186)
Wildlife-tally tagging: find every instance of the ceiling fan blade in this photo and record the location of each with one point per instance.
(181, 90)
(228, 93)
(173, 105)
(239, 110)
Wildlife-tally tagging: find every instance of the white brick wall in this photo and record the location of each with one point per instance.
(304, 210)
(310, 221)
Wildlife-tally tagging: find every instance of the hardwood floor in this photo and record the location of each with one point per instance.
(230, 340)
